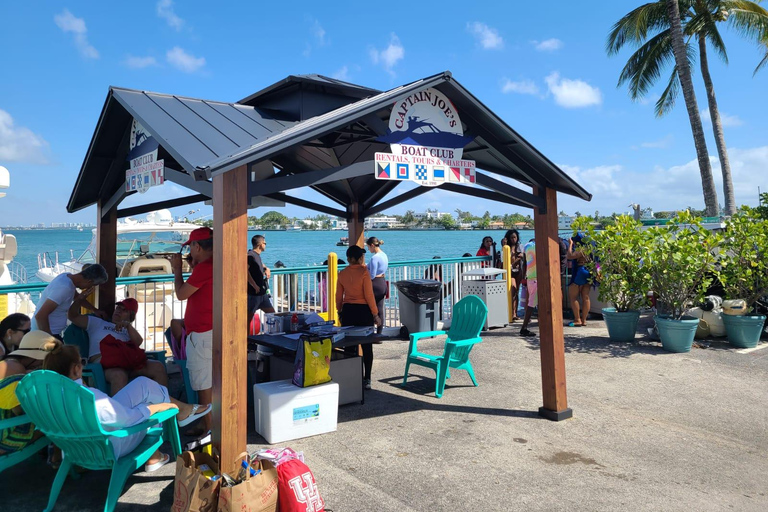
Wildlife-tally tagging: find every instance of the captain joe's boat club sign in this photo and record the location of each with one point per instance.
(427, 142)
(146, 170)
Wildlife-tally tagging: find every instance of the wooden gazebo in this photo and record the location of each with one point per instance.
(309, 131)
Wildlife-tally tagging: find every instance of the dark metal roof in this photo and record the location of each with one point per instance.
(205, 138)
(193, 131)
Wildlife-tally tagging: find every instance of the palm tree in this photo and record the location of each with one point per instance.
(701, 17)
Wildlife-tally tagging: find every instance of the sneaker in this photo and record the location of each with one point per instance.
(367, 383)
(526, 332)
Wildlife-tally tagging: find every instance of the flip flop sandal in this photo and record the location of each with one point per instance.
(575, 325)
(194, 415)
(157, 465)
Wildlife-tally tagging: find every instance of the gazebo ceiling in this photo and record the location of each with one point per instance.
(316, 132)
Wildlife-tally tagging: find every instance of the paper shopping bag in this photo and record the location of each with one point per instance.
(193, 491)
(255, 493)
(313, 361)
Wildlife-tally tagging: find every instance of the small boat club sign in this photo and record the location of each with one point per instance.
(146, 170)
(427, 142)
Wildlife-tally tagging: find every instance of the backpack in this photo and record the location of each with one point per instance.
(297, 489)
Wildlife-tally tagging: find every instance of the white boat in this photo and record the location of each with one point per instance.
(11, 272)
(154, 238)
(144, 248)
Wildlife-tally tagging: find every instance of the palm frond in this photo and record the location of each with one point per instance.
(668, 97)
(634, 27)
(762, 63)
(749, 19)
(644, 67)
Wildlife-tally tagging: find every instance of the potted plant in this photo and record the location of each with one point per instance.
(744, 273)
(616, 256)
(680, 260)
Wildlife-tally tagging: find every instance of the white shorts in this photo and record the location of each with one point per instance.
(200, 359)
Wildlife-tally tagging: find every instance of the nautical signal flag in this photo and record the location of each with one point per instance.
(382, 171)
(420, 172)
(402, 171)
(438, 173)
(455, 174)
(469, 174)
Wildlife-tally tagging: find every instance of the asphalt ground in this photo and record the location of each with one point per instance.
(651, 430)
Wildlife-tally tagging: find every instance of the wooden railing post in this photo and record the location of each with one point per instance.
(106, 255)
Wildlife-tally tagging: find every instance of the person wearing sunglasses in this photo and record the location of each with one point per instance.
(12, 329)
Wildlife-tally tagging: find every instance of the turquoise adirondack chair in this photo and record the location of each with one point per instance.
(8, 460)
(66, 412)
(468, 319)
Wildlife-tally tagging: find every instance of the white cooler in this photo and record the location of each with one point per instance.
(284, 412)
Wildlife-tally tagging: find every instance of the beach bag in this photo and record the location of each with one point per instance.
(297, 489)
(121, 354)
(256, 493)
(193, 490)
(313, 361)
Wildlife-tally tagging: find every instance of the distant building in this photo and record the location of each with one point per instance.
(380, 222)
(496, 225)
(564, 222)
(339, 224)
(429, 215)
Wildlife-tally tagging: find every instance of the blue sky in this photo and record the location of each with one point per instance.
(545, 72)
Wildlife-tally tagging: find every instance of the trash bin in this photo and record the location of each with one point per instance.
(483, 283)
(418, 298)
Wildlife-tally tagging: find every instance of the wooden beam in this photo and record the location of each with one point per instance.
(481, 193)
(186, 180)
(116, 198)
(230, 355)
(305, 179)
(528, 199)
(405, 196)
(106, 255)
(172, 203)
(550, 298)
(308, 204)
(355, 225)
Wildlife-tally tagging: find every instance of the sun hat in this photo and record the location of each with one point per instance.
(32, 345)
(199, 234)
(129, 304)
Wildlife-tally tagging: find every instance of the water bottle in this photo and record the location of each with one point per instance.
(295, 323)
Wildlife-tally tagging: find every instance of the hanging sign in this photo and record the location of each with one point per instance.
(426, 140)
(145, 169)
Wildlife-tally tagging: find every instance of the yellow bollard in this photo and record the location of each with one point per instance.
(90, 298)
(333, 279)
(506, 258)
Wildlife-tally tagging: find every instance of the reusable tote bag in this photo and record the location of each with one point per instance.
(192, 490)
(313, 361)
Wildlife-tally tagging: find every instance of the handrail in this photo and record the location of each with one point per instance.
(165, 278)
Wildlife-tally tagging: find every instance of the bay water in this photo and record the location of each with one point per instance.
(293, 248)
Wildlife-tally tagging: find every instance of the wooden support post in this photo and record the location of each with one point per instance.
(550, 310)
(355, 225)
(230, 349)
(106, 254)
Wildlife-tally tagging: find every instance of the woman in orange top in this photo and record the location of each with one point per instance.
(356, 303)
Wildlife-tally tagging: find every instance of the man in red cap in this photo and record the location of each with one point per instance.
(198, 317)
(104, 336)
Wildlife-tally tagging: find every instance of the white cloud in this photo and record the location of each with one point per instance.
(68, 22)
(19, 144)
(522, 87)
(184, 61)
(139, 62)
(549, 45)
(725, 119)
(165, 11)
(486, 36)
(341, 74)
(659, 144)
(666, 188)
(390, 55)
(572, 93)
(318, 32)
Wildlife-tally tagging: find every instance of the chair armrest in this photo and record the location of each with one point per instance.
(426, 334)
(465, 343)
(157, 355)
(153, 420)
(14, 422)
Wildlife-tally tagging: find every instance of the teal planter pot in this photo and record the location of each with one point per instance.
(677, 335)
(622, 326)
(743, 331)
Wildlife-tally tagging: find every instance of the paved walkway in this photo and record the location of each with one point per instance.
(651, 431)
